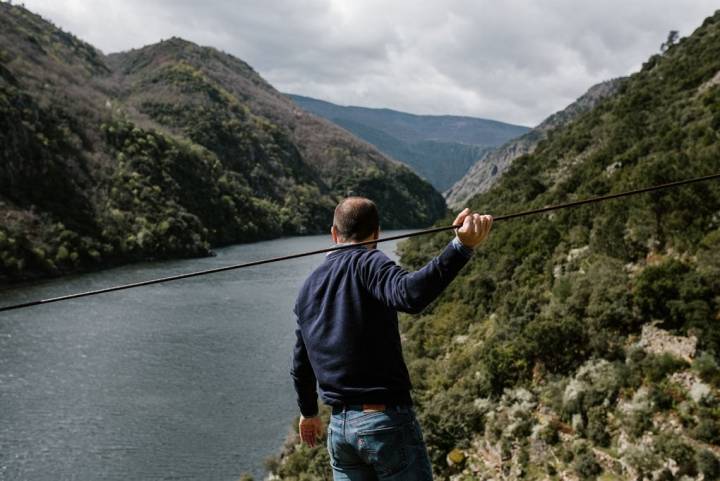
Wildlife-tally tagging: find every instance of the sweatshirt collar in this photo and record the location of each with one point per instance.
(355, 246)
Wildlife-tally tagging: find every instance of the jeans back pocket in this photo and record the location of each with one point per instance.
(384, 448)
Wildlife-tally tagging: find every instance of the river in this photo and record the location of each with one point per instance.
(184, 380)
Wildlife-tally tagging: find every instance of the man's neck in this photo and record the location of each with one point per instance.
(348, 243)
(344, 242)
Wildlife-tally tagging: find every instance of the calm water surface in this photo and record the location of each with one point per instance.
(185, 380)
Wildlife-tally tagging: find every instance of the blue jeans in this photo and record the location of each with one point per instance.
(377, 445)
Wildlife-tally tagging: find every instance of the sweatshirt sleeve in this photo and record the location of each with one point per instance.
(412, 291)
(304, 378)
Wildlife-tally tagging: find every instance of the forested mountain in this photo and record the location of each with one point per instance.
(165, 151)
(585, 343)
(481, 176)
(440, 148)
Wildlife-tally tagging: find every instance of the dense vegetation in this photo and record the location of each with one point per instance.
(543, 360)
(164, 151)
(440, 148)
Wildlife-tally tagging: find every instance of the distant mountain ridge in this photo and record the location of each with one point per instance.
(439, 147)
(165, 151)
(489, 168)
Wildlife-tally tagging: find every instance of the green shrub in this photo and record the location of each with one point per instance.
(708, 464)
(708, 430)
(663, 395)
(639, 421)
(670, 446)
(550, 433)
(657, 367)
(706, 366)
(665, 475)
(449, 419)
(505, 449)
(674, 293)
(565, 454)
(523, 457)
(597, 426)
(585, 464)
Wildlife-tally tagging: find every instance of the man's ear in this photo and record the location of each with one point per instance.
(334, 235)
(376, 235)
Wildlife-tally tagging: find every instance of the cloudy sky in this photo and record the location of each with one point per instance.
(510, 60)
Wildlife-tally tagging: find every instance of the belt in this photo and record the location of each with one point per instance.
(367, 407)
(360, 407)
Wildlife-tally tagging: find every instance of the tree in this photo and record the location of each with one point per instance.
(672, 39)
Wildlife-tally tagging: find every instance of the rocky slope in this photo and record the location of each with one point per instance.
(438, 147)
(165, 151)
(481, 176)
(585, 343)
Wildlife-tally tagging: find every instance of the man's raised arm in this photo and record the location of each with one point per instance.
(413, 291)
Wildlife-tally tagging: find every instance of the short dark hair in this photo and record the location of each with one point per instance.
(356, 218)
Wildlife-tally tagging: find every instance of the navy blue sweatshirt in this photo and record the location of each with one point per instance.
(348, 340)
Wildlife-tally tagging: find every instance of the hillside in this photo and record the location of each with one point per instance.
(438, 147)
(481, 176)
(165, 151)
(585, 343)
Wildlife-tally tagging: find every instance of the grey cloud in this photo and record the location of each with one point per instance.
(511, 60)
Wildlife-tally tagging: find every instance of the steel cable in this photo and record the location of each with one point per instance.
(345, 246)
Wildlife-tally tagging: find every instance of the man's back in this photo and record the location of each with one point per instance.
(352, 338)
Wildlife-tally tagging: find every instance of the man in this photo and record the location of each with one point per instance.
(348, 342)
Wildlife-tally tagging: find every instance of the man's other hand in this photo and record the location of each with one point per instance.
(310, 429)
(475, 227)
